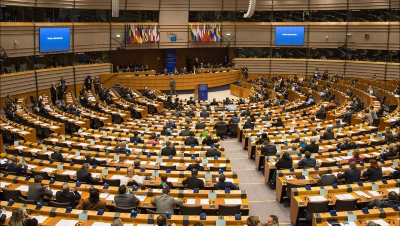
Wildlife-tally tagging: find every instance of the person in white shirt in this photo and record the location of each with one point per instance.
(231, 107)
(131, 177)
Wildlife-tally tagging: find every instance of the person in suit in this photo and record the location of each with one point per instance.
(293, 149)
(209, 140)
(171, 124)
(131, 178)
(204, 112)
(164, 202)
(391, 152)
(222, 185)
(135, 138)
(37, 191)
(200, 124)
(14, 167)
(248, 124)
(327, 179)
(278, 123)
(165, 131)
(93, 161)
(392, 200)
(264, 137)
(214, 102)
(67, 194)
(352, 175)
(312, 148)
(356, 156)
(172, 87)
(328, 135)
(193, 182)
(20, 217)
(191, 101)
(374, 172)
(285, 162)
(83, 175)
(196, 166)
(168, 150)
(307, 161)
(53, 93)
(125, 200)
(213, 151)
(388, 135)
(268, 149)
(246, 112)
(56, 155)
(88, 83)
(93, 202)
(121, 148)
(191, 139)
(185, 132)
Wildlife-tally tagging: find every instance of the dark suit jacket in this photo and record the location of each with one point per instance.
(313, 148)
(193, 182)
(191, 140)
(213, 152)
(284, 164)
(37, 191)
(222, 186)
(328, 179)
(12, 167)
(351, 176)
(388, 204)
(200, 125)
(196, 166)
(165, 133)
(328, 136)
(120, 151)
(307, 162)
(185, 132)
(85, 177)
(93, 161)
(248, 125)
(70, 197)
(204, 114)
(57, 157)
(373, 174)
(136, 139)
(167, 151)
(209, 141)
(126, 200)
(268, 150)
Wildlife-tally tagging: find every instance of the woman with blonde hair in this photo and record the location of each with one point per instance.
(20, 217)
(131, 177)
(253, 221)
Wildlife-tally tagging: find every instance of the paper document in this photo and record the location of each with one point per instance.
(40, 219)
(233, 201)
(69, 172)
(141, 197)
(173, 180)
(110, 198)
(47, 169)
(381, 222)
(101, 224)
(360, 193)
(374, 193)
(23, 188)
(103, 195)
(190, 201)
(316, 198)
(117, 177)
(204, 201)
(64, 222)
(3, 184)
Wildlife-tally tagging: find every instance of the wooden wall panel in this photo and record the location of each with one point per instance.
(327, 36)
(92, 37)
(333, 66)
(328, 4)
(236, 5)
(394, 36)
(255, 65)
(55, 4)
(90, 4)
(359, 69)
(206, 5)
(252, 35)
(288, 66)
(142, 5)
(393, 71)
(46, 77)
(368, 4)
(27, 3)
(378, 35)
(16, 83)
(17, 38)
(283, 5)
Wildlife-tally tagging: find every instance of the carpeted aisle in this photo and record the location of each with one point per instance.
(262, 199)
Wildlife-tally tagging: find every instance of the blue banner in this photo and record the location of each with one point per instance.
(171, 60)
(203, 91)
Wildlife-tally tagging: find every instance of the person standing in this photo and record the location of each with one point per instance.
(96, 83)
(53, 93)
(188, 63)
(62, 88)
(88, 83)
(172, 86)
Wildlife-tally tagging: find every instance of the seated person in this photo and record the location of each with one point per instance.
(20, 217)
(356, 157)
(83, 175)
(131, 178)
(346, 144)
(392, 200)
(278, 123)
(165, 131)
(285, 162)
(222, 185)
(56, 155)
(391, 152)
(211, 152)
(292, 150)
(185, 132)
(307, 161)
(165, 182)
(164, 202)
(264, 136)
(204, 112)
(312, 148)
(248, 124)
(37, 191)
(268, 149)
(328, 135)
(93, 161)
(153, 139)
(209, 140)
(168, 150)
(197, 166)
(388, 135)
(374, 172)
(191, 139)
(351, 175)
(68, 194)
(93, 202)
(14, 167)
(200, 124)
(193, 182)
(121, 148)
(125, 200)
(136, 139)
(327, 179)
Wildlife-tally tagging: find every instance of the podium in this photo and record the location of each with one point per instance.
(201, 92)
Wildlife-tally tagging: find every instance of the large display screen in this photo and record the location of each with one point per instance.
(289, 36)
(54, 39)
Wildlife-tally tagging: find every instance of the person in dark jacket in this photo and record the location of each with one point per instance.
(264, 137)
(392, 200)
(168, 150)
(56, 155)
(246, 112)
(136, 139)
(268, 149)
(328, 135)
(83, 175)
(185, 132)
(68, 194)
(88, 83)
(37, 191)
(285, 162)
(197, 166)
(211, 152)
(125, 200)
(93, 161)
(222, 185)
(248, 124)
(312, 148)
(14, 167)
(209, 140)
(53, 93)
(374, 172)
(278, 123)
(165, 131)
(346, 144)
(200, 124)
(392, 152)
(120, 149)
(193, 182)
(307, 161)
(191, 139)
(352, 175)
(388, 135)
(327, 179)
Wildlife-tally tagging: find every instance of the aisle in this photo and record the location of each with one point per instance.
(261, 198)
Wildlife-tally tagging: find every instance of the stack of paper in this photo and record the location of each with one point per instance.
(116, 177)
(69, 172)
(233, 201)
(381, 222)
(64, 222)
(316, 198)
(110, 198)
(173, 180)
(47, 169)
(141, 197)
(3, 184)
(204, 202)
(40, 219)
(23, 188)
(374, 193)
(190, 201)
(344, 197)
(360, 193)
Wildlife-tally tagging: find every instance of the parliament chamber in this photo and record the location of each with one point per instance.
(200, 112)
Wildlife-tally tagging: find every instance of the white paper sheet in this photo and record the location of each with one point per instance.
(233, 201)
(101, 224)
(103, 195)
(374, 193)
(204, 201)
(69, 172)
(3, 184)
(40, 219)
(190, 201)
(316, 198)
(110, 198)
(381, 222)
(47, 169)
(64, 222)
(23, 188)
(141, 197)
(173, 180)
(116, 177)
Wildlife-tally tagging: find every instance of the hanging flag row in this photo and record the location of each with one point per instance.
(139, 34)
(205, 33)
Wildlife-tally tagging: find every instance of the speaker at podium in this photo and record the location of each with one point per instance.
(201, 92)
